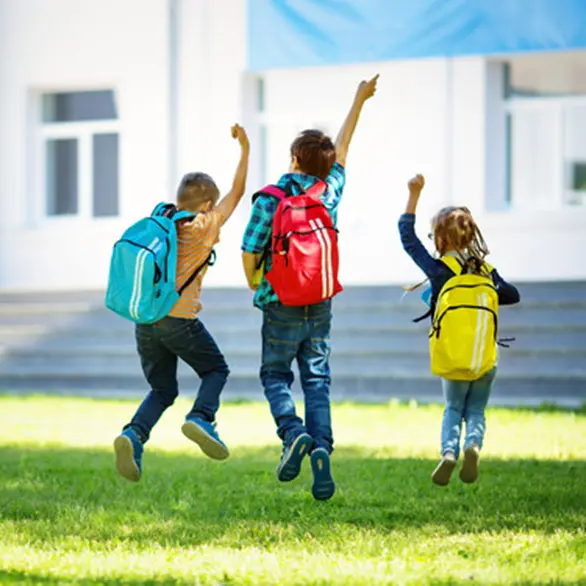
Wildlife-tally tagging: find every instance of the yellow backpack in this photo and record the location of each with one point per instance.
(463, 336)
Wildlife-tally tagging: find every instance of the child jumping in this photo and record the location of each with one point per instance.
(299, 331)
(462, 251)
(181, 334)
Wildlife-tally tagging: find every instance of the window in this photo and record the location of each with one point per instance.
(277, 117)
(546, 130)
(79, 133)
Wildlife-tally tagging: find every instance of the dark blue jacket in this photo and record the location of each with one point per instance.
(437, 272)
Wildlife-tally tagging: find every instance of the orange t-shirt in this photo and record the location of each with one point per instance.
(195, 240)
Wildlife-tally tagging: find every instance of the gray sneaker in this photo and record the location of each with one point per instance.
(442, 474)
(469, 471)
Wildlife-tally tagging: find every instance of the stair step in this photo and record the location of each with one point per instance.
(248, 363)
(565, 391)
(561, 291)
(411, 307)
(346, 349)
(98, 322)
(69, 342)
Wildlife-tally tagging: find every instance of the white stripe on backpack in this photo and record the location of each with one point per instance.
(138, 276)
(329, 270)
(477, 337)
(137, 271)
(322, 245)
(483, 334)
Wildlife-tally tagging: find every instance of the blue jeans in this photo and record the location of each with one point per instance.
(465, 401)
(159, 346)
(301, 333)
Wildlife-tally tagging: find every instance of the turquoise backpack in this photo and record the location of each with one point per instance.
(141, 282)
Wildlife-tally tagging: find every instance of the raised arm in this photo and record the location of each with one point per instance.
(365, 90)
(229, 202)
(411, 243)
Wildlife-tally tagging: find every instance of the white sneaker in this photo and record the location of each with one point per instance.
(442, 474)
(469, 471)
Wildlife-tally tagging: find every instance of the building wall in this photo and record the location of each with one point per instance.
(446, 119)
(181, 82)
(69, 45)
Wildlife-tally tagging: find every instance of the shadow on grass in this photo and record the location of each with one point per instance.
(27, 579)
(31, 579)
(184, 501)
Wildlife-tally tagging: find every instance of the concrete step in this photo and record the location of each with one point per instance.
(554, 292)
(248, 362)
(343, 347)
(18, 339)
(566, 391)
(392, 320)
(69, 343)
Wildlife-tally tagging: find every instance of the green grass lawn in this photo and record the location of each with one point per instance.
(67, 518)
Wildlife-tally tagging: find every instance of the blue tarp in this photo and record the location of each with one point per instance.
(297, 33)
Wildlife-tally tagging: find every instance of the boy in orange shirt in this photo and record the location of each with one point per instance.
(181, 334)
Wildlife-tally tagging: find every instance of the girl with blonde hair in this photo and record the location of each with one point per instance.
(455, 234)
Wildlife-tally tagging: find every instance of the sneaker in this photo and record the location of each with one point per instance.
(469, 471)
(293, 454)
(129, 450)
(323, 484)
(442, 474)
(204, 434)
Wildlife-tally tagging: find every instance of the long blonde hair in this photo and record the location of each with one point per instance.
(454, 229)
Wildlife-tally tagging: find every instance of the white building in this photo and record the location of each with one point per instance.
(104, 104)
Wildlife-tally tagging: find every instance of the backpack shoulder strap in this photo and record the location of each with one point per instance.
(317, 189)
(270, 190)
(210, 260)
(453, 264)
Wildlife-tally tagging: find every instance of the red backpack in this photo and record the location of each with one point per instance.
(304, 247)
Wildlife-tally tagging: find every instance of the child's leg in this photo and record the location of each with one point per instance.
(281, 333)
(314, 369)
(475, 425)
(475, 408)
(455, 398)
(455, 393)
(313, 359)
(191, 341)
(160, 369)
(159, 366)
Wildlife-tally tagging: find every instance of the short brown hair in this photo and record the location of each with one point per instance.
(315, 153)
(196, 189)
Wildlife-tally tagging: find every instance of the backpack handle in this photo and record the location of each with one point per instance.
(169, 210)
(270, 190)
(316, 190)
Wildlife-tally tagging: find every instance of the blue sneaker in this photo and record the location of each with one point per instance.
(129, 450)
(323, 484)
(204, 434)
(293, 454)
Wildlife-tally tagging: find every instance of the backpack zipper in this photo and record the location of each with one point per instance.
(436, 326)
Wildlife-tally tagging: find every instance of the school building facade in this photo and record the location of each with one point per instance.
(105, 104)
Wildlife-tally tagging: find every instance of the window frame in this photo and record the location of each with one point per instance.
(557, 105)
(83, 132)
